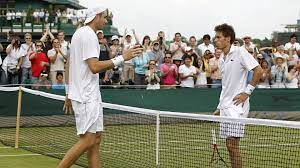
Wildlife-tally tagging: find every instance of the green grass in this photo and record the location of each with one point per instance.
(181, 146)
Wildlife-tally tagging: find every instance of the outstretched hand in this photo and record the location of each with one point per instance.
(132, 52)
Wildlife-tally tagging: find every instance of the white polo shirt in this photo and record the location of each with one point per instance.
(83, 84)
(234, 70)
(187, 82)
(204, 47)
(289, 45)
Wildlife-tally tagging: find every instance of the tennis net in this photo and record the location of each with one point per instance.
(137, 137)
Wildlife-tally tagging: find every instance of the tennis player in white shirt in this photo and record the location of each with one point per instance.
(83, 92)
(235, 63)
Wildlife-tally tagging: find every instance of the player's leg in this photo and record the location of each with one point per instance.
(93, 153)
(232, 144)
(85, 142)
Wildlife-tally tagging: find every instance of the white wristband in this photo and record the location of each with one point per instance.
(67, 88)
(118, 60)
(249, 89)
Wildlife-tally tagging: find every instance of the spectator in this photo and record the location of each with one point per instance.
(23, 18)
(115, 48)
(47, 40)
(292, 47)
(206, 57)
(156, 54)
(39, 64)
(57, 57)
(18, 17)
(169, 72)
(105, 52)
(274, 46)
(249, 46)
(152, 76)
(113, 77)
(292, 79)
(214, 64)
(128, 69)
(279, 73)
(36, 15)
(206, 45)
(61, 38)
(14, 60)
(265, 79)
(147, 44)
(267, 54)
(57, 16)
(237, 43)
(280, 53)
(178, 47)
(189, 51)
(9, 17)
(27, 48)
(140, 64)
(162, 41)
(187, 73)
(201, 81)
(47, 16)
(2, 72)
(59, 84)
(193, 44)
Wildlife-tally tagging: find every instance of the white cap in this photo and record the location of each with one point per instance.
(188, 48)
(260, 56)
(114, 38)
(92, 12)
(99, 31)
(128, 34)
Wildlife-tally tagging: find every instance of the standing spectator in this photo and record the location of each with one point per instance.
(39, 63)
(214, 64)
(237, 43)
(201, 81)
(57, 57)
(46, 16)
(274, 46)
(206, 58)
(42, 16)
(57, 16)
(178, 47)
(140, 64)
(189, 51)
(265, 79)
(18, 17)
(206, 45)
(27, 48)
(169, 72)
(292, 79)
(249, 46)
(280, 53)
(146, 44)
(105, 53)
(14, 60)
(74, 18)
(292, 47)
(2, 72)
(162, 41)
(61, 38)
(194, 46)
(156, 54)
(9, 18)
(69, 17)
(187, 73)
(13, 16)
(279, 73)
(23, 17)
(115, 48)
(152, 76)
(59, 84)
(47, 40)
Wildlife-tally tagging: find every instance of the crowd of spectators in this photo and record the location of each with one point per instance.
(163, 64)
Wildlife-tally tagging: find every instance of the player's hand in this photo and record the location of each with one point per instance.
(68, 106)
(217, 112)
(132, 52)
(240, 98)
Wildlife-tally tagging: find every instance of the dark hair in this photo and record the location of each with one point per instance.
(53, 40)
(168, 52)
(60, 31)
(293, 35)
(227, 31)
(178, 34)
(59, 73)
(185, 56)
(290, 67)
(206, 36)
(146, 37)
(192, 37)
(262, 61)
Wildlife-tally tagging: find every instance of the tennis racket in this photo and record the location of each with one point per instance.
(216, 160)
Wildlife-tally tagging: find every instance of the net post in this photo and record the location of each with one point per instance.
(18, 118)
(157, 139)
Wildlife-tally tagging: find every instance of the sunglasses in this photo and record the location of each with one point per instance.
(28, 38)
(151, 64)
(39, 45)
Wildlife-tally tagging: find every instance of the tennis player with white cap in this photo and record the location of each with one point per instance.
(83, 92)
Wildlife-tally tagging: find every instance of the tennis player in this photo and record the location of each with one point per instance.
(235, 63)
(83, 93)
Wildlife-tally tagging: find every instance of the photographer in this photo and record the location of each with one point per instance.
(113, 76)
(14, 60)
(162, 41)
(152, 76)
(39, 63)
(57, 57)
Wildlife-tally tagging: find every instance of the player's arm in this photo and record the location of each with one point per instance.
(68, 105)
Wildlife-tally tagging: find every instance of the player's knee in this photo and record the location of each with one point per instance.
(88, 140)
(98, 139)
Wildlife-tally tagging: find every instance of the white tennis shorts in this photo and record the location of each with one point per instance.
(230, 129)
(88, 116)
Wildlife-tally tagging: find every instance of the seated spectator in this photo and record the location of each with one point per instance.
(14, 60)
(292, 79)
(265, 79)
(156, 54)
(113, 76)
(178, 47)
(59, 84)
(206, 45)
(201, 81)
(169, 72)
(27, 48)
(115, 48)
(43, 82)
(214, 64)
(39, 64)
(152, 76)
(140, 64)
(187, 73)
(278, 73)
(57, 57)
